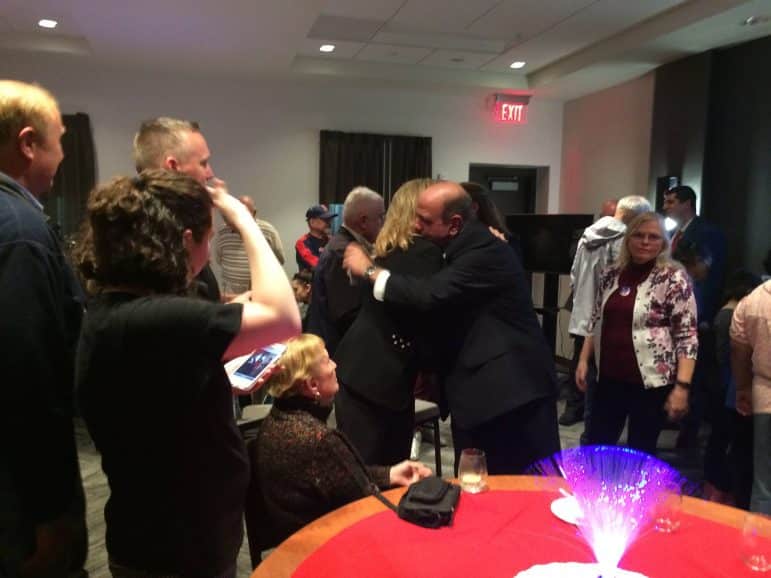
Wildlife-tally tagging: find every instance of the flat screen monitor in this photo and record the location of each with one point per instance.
(548, 242)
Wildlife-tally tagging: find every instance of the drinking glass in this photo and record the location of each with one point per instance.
(668, 510)
(472, 470)
(756, 542)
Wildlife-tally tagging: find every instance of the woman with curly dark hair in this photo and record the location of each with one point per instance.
(150, 379)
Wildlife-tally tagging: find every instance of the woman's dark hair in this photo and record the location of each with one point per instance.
(133, 232)
(304, 276)
(487, 212)
(739, 284)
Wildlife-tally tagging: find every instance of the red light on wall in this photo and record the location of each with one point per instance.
(511, 113)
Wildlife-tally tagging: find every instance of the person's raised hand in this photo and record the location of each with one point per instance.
(356, 260)
(233, 211)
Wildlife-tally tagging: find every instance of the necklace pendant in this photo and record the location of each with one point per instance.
(624, 291)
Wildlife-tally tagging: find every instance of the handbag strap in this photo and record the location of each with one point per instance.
(382, 499)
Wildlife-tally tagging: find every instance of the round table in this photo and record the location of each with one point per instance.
(307, 543)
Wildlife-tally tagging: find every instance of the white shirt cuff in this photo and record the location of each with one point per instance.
(378, 290)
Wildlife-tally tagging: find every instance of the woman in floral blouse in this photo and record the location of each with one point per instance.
(644, 340)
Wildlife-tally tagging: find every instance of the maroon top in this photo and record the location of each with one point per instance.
(618, 356)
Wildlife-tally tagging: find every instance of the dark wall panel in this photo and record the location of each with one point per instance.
(679, 131)
(737, 177)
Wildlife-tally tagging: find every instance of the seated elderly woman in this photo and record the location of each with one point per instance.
(644, 325)
(305, 469)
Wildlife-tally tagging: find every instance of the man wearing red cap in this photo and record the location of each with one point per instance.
(309, 246)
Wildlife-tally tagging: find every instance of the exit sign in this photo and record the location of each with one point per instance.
(511, 112)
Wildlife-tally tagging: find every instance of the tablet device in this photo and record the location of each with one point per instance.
(244, 371)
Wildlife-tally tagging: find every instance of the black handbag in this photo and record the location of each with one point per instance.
(429, 503)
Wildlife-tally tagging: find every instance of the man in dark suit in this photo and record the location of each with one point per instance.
(499, 379)
(700, 247)
(335, 300)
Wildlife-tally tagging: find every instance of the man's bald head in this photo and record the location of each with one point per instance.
(442, 210)
(608, 208)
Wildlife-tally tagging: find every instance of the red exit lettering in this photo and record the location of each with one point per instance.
(511, 113)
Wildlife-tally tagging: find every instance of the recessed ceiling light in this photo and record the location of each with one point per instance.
(327, 48)
(518, 64)
(47, 23)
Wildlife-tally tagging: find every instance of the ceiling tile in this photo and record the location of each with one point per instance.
(521, 19)
(365, 10)
(393, 53)
(602, 19)
(437, 40)
(456, 59)
(344, 28)
(440, 15)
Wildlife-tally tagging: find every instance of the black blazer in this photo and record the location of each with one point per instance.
(382, 351)
(335, 298)
(497, 358)
(708, 243)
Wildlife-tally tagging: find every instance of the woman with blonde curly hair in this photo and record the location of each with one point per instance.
(174, 458)
(302, 468)
(380, 355)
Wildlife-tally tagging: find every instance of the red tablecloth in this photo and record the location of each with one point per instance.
(499, 533)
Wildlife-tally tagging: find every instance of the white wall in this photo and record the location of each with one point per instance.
(606, 145)
(605, 154)
(264, 135)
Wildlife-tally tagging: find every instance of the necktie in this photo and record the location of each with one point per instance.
(675, 241)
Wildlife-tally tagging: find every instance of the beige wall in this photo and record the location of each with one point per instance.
(606, 145)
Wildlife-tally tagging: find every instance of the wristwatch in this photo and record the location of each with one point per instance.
(369, 272)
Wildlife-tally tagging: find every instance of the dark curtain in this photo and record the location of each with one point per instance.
(76, 175)
(349, 160)
(380, 162)
(410, 158)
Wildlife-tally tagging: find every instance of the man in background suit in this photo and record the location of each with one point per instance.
(700, 247)
(499, 380)
(335, 299)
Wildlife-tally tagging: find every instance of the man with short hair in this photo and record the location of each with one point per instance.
(42, 507)
(308, 248)
(335, 299)
(700, 247)
(231, 255)
(598, 248)
(499, 380)
(178, 145)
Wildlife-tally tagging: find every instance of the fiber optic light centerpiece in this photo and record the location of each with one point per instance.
(617, 490)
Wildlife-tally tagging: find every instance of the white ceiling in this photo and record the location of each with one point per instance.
(571, 46)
